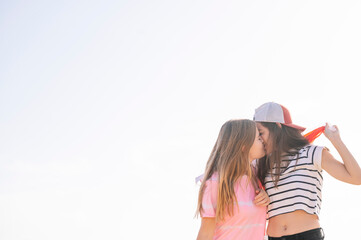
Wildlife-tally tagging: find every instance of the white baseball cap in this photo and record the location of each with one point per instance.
(276, 113)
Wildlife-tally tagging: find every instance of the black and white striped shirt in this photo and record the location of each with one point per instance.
(300, 183)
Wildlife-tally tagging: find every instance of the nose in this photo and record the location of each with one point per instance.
(264, 145)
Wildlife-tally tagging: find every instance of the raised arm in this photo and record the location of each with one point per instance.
(347, 171)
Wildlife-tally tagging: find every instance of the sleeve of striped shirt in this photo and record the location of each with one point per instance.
(317, 157)
(209, 201)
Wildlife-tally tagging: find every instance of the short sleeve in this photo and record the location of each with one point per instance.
(317, 157)
(209, 201)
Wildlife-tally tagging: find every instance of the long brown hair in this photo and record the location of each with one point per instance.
(284, 140)
(230, 159)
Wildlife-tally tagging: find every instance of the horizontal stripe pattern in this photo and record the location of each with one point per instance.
(300, 184)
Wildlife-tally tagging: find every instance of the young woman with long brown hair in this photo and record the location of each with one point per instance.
(292, 173)
(231, 203)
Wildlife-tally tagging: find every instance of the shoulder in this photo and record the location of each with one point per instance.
(212, 181)
(317, 150)
(299, 153)
(214, 177)
(310, 150)
(310, 155)
(317, 155)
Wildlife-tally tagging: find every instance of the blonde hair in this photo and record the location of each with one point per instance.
(230, 159)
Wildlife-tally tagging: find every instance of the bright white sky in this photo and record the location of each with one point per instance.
(109, 109)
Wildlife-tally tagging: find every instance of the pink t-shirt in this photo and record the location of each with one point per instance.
(247, 223)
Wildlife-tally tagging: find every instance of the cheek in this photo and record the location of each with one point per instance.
(265, 138)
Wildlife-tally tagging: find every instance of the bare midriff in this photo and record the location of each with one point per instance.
(292, 223)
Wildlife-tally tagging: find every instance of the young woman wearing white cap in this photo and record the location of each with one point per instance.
(292, 173)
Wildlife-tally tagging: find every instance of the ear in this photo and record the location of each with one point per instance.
(279, 125)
